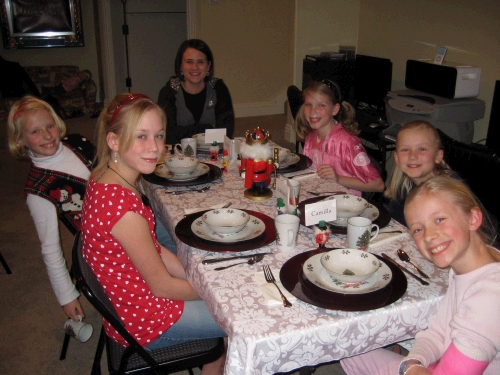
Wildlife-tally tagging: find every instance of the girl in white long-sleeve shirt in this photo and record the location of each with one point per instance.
(463, 337)
(54, 187)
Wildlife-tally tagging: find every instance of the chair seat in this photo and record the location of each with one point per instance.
(177, 358)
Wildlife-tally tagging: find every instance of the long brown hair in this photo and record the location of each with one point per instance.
(346, 115)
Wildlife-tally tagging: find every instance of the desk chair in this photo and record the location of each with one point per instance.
(135, 359)
(477, 165)
(295, 100)
(4, 264)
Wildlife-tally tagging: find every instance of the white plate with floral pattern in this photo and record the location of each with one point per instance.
(200, 170)
(315, 273)
(254, 228)
(290, 160)
(371, 212)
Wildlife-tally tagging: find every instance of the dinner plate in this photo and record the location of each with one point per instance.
(185, 234)
(290, 160)
(371, 212)
(200, 170)
(303, 163)
(213, 174)
(384, 217)
(254, 228)
(316, 274)
(293, 280)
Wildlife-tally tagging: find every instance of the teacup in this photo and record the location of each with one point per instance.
(360, 232)
(79, 330)
(187, 147)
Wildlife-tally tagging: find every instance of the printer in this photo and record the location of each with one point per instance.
(438, 97)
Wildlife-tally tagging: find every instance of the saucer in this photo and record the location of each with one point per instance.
(254, 228)
(290, 160)
(371, 212)
(316, 274)
(200, 170)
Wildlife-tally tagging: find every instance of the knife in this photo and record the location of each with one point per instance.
(303, 174)
(210, 261)
(423, 282)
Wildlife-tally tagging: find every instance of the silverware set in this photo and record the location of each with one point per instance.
(270, 279)
(251, 261)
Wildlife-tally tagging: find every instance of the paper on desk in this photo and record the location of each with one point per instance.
(189, 211)
(270, 291)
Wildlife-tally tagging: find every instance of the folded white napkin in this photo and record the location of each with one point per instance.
(189, 211)
(270, 291)
(383, 238)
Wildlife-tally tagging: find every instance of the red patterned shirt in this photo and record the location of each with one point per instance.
(145, 316)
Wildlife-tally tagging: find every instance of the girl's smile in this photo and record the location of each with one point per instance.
(417, 154)
(319, 111)
(40, 133)
(194, 68)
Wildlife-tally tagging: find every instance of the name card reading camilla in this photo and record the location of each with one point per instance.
(322, 210)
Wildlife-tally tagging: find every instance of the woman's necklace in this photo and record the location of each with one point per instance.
(144, 199)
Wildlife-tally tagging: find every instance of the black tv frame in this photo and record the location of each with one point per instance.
(41, 24)
(372, 81)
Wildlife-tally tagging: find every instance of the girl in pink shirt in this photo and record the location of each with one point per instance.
(463, 337)
(328, 126)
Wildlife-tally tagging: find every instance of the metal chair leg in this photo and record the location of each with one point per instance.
(64, 347)
(4, 263)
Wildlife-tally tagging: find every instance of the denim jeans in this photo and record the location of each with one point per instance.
(164, 237)
(195, 323)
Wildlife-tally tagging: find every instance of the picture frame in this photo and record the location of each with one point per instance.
(41, 23)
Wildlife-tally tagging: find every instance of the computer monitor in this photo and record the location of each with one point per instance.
(372, 81)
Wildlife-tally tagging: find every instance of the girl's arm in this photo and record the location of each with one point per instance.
(327, 171)
(45, 219)
(163, 277)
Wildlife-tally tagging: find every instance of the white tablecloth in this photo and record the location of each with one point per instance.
(268, 338)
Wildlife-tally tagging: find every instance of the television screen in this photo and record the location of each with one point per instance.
(372, 82)
(41, 23)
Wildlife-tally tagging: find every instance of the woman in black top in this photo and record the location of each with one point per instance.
(194, 100)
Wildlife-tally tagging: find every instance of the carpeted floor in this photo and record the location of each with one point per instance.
(31, 322)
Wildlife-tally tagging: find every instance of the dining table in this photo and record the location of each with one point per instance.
(264, 337)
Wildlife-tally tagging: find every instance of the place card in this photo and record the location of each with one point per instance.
(322, 210)
(216, 135)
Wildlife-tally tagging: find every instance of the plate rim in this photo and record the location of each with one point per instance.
(224, 242)
(191, 177)
(213, 175)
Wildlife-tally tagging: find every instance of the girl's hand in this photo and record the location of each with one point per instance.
(73, 309)
(327, 171)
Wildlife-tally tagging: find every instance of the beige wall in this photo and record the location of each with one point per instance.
(84, 57)
(252, 43)
(323, 25)
(402, 30)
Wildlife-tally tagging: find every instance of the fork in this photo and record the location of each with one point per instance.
(270, 279)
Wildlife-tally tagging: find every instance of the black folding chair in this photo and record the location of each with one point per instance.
(134, 359)
(4, 264)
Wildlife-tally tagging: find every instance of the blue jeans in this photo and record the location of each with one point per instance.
(164, 238)
(195, 323)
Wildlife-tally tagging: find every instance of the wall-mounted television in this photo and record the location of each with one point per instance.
(41, 23)
(373, 78)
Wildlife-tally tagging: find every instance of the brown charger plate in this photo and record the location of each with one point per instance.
(213, 174)
(296, 283)
(304, 163)
(185, 234)
(382, 220)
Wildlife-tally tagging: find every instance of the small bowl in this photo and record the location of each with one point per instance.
(181, 165)
(349, 205)
(283, 153)
(350, 265)
(226, 220)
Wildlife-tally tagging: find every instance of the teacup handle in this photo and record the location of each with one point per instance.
(176, 149)
(375, 228)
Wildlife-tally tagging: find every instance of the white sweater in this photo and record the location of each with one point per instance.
(44, 215)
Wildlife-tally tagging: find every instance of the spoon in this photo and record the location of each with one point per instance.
(250, 261)
(406, 258)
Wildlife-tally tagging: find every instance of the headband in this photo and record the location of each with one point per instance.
(129, 99)
(20, 108)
